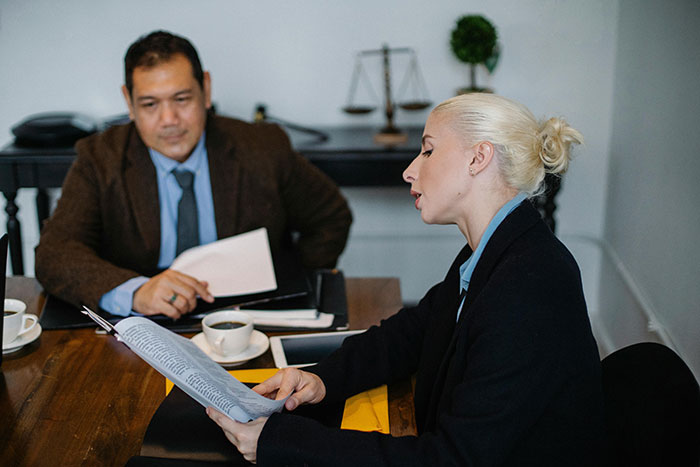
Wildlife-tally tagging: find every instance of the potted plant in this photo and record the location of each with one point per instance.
(474, 41)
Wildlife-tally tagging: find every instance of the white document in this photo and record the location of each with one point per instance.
(321, 321)
(183, 363)
(306, 314)
(237, 265)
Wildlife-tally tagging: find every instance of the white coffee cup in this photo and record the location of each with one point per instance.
(15, 320)
(228, 332)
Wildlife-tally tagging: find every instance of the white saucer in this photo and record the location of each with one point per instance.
(22, 340)
(258, 345)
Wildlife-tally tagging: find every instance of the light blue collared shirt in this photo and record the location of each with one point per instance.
(119, 300)
(467, 268)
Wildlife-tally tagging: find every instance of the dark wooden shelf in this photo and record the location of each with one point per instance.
(349, 156)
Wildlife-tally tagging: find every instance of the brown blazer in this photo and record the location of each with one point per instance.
(106, 226)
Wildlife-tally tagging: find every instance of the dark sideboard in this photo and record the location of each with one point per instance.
(347, 154)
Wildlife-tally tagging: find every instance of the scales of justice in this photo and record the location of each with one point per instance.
(412, 80)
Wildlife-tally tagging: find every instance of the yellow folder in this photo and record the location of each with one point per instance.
(366, 411)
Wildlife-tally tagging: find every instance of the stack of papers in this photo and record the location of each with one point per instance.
(282, 320)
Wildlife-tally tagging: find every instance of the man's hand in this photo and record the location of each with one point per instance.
(307, 387)
(242, 435)
(170, 293)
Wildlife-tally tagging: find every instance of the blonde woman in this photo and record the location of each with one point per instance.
(507, 370)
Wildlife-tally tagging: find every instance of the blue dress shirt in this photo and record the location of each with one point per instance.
(119, 300)
(467, 269)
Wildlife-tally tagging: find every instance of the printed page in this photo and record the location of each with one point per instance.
(322, 321)
(238, 265)
(182, 362)
(291, 314)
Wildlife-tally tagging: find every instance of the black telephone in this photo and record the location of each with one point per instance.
(53, 129)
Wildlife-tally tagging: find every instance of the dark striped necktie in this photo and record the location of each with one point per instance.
(187, 219)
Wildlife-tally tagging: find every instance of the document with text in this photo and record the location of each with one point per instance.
(182, 362)
(237, 265)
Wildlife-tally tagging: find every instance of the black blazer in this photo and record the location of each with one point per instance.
(515, 382)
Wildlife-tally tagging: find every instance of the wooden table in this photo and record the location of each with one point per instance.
(77, 398)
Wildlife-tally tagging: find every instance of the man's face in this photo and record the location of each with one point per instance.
(169, 107)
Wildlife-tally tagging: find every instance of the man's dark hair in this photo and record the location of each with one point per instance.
(158, 47)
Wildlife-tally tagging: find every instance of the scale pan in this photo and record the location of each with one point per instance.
(358, 109)
(415, 105)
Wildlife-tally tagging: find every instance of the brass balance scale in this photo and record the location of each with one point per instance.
(413, 79)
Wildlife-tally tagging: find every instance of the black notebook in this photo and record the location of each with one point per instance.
(321, 289)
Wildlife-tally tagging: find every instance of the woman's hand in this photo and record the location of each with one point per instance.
(242, 435)
(307, 388)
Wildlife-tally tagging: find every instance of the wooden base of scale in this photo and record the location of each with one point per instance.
(390, 137)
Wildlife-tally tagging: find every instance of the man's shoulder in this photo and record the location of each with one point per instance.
(241, 133)
(108, 144)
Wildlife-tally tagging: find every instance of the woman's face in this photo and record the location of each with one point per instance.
(439, 175)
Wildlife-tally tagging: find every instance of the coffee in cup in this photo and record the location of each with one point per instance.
(228, 325)
(228, 332)
(15, 320)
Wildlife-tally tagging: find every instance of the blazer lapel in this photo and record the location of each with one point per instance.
(142, 192)
(438, 354)
(225, 175)
(520, 220)
(513, 226)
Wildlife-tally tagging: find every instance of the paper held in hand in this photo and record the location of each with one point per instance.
(237, 265)
(183, 363)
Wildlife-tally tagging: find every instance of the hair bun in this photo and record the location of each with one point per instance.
(554, 141)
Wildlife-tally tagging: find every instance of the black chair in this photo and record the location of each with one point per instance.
(652, 407)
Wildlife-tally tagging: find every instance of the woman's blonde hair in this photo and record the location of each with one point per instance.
(525, 148)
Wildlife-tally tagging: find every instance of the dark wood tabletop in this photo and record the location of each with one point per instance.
(74, 397)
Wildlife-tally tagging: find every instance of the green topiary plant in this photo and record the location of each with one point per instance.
(474, 41)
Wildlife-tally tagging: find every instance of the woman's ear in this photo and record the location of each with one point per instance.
(482, 154)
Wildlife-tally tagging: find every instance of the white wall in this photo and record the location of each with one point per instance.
(297, 56)
(653, 215)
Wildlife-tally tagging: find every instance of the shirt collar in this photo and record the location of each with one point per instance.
(165, 165)
(467, 269)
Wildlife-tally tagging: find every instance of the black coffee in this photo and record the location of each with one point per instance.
(9, 313)
(227, 325)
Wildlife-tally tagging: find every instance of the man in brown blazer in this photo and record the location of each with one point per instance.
(112, 236)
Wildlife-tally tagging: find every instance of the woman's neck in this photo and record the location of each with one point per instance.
(483, 210)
